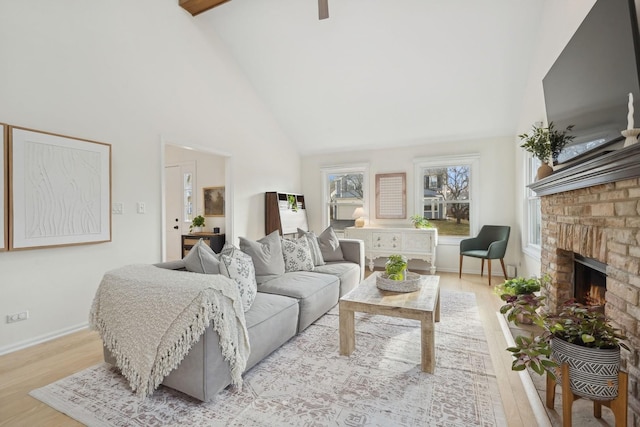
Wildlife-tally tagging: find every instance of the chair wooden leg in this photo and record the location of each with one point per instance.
(504, 270)
(460, 275)
(489, 268)
(482, 268)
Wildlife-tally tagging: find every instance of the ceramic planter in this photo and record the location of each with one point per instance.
(593, 372)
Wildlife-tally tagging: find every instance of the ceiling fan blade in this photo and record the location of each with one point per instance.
(323, 9)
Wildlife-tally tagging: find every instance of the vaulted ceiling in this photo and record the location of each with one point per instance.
(383, 73)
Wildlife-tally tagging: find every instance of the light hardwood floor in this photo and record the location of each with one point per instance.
(39, 365)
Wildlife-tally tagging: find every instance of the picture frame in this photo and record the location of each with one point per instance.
(4, 190)
(391, 195)
(60, 190)
(213, 199)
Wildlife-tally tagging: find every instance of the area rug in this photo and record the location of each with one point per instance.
(307, 383)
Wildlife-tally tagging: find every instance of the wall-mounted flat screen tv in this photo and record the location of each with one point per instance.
(589, 83)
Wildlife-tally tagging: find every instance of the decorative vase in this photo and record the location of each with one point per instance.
(197, 230)
(544, 171)
(593, 372)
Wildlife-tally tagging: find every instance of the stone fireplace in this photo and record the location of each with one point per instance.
(592, 211)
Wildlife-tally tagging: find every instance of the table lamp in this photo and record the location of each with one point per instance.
(358, 215)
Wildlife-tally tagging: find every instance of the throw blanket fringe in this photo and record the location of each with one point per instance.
(149, 318)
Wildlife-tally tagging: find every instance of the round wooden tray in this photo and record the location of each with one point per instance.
(410, 284)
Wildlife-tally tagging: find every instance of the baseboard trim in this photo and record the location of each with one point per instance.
(539, 412)
(42, 338)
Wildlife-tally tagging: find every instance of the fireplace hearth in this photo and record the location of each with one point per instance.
(593, 209)
(589, 281)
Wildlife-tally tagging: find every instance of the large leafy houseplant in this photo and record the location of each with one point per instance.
(546, 143)
(585, 326)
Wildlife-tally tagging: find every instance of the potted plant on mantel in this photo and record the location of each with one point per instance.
(546, 144)
(578, 335)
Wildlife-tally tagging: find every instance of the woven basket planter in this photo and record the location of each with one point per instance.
(593, 372)
(410, 284)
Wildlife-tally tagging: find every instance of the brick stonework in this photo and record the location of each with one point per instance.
(600, 222)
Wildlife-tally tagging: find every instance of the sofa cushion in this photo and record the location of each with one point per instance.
(297, 255)
(272, 321)
(239, 267)
(347, 272)
(315, 292)
(316, 253)
(330, 246)
(202, 259)
(266, 254)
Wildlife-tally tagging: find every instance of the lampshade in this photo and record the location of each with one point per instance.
(358, 214)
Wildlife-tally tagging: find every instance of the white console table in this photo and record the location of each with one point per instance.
(414, 243)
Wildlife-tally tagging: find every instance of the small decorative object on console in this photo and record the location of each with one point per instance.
(196, 224)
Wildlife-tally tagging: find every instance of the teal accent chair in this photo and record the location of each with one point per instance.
(490, 243)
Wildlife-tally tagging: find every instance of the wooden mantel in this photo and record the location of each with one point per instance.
(610, 167)
(195, 7)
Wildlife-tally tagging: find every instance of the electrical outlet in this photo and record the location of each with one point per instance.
(141, 208)
(17, 317)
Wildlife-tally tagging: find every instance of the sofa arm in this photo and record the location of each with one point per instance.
(353, 251)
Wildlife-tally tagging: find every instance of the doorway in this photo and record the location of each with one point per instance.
(186, 172)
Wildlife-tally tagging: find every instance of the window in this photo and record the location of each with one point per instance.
(444, 193)
(532, 212)
(187, 196)
(344, 190)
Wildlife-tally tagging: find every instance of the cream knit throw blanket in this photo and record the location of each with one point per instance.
(149, 318)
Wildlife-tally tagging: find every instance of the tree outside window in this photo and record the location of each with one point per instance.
(446, 198)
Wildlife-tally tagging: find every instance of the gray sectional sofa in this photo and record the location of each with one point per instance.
(283, 306)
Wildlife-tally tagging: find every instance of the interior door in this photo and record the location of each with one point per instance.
(173, 212)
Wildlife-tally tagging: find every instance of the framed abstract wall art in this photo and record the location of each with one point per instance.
(213, 199)
(60, 190)
(391, 195)
(4, 191)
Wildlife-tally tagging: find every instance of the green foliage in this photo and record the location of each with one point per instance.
(396, 266)
(519, 286)
(546, 143)
(197, 221)
(420, 222)
(586, 326)
(293, 203)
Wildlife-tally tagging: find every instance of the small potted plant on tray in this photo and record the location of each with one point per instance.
(578, 335)
(546, 144)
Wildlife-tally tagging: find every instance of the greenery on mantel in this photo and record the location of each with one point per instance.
(546, 143)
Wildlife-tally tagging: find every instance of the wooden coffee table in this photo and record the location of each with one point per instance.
(422, 305)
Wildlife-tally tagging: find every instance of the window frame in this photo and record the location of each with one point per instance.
(529, 247)
(343, 169)
(473, 161)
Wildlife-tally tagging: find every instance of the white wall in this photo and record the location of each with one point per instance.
(496, 187)
(126, 73)
(559, 22)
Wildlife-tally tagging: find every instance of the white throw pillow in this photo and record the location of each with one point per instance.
(330, 245)
(239, 267)
(266, 254)
(314, 246)
(297, 255)
(202, 259)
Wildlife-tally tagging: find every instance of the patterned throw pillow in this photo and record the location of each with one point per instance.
(202, 259)
(330, 245)
(297, 255)
(238, 266)
(316, 254)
